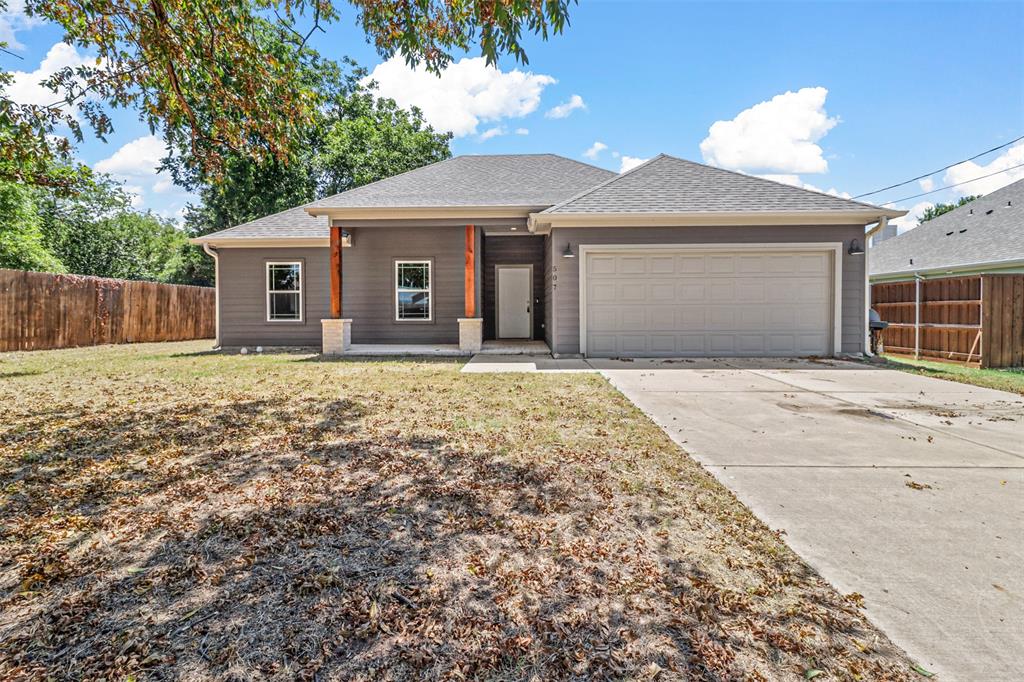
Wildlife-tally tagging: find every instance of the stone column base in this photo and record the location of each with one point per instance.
(337, 336)
(471, 334)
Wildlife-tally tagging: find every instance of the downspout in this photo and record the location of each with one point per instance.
(216, 291)
(882, 222)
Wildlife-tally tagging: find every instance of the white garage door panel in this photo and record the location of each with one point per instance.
(686, 303)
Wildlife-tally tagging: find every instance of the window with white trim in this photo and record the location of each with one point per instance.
(284, 291)
(413, 291)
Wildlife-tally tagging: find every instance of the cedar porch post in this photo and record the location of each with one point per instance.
(470, 271)
(336, 271)
(336, 333)
(471, 327)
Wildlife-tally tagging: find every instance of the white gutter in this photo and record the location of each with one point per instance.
(951, 270)
(216, 291)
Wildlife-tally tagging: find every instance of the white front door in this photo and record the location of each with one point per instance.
(514, 292)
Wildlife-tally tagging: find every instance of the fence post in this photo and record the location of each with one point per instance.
(917, 316)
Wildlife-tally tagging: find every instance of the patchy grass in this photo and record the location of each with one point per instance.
(168, 513)
(1009, 379)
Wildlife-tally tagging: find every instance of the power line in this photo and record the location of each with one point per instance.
(955, 184)
(922, 177)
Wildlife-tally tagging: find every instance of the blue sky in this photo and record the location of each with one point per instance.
(840, 96)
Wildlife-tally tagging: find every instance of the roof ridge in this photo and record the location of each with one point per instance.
(604, 183)
(774, 182)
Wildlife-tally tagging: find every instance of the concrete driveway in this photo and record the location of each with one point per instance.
(906, 489)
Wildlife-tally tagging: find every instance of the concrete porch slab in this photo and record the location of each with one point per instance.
(411, 349)
(482, 364)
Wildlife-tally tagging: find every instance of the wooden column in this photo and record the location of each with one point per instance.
(335, 271)
(470, 271)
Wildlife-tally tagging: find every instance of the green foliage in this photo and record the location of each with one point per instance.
(21, 236)
(938, 209)
(228, 79)
(97, 233)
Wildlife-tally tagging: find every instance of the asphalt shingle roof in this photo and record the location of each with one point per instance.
(294, 223)
(500, 180)
(986, 230)
(667, 184)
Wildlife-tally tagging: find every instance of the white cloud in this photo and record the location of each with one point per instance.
(1014, 156)
(26, 88)
(927, 184)
(909, 221)
(629, 163)
(12, 20)
(135, 164)
(778, 135)
(522, 131)
(594, 150)
(465, 94)
(141, 156)
(492, 132)
(565, 109)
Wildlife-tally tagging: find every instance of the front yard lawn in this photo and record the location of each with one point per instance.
(169, 513)
(1008, 379)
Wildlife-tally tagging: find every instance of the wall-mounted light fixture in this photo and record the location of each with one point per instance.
(568, 252)
(855, 248)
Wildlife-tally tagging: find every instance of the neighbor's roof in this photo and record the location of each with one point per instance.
(294, 223)
(520, 180)
(670, 185)
(986, 230)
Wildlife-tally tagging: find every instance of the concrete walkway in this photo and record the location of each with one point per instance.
(906, 489)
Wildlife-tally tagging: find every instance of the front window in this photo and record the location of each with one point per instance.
(412, 290)
(284, 292)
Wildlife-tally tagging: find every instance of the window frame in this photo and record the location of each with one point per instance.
(429, 262)
(268, 291)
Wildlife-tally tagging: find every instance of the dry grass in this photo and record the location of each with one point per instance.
(173, 514)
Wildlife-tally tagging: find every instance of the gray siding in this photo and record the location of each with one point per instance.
(565, 306)
(517, 250)
(548, 291)
(368, 286)
(243, 297)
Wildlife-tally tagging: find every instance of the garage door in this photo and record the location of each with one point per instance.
(708, 304)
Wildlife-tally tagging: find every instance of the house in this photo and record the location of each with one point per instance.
(673, 258)
(985, 236)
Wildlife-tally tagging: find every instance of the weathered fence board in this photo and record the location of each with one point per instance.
(953, 312)
(40, 310)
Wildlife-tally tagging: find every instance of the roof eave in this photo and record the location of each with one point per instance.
(542, 222)
(948, 269)
(259, 242)
(405, 212)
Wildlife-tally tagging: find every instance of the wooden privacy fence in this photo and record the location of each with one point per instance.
(40, 310)
(974, 319)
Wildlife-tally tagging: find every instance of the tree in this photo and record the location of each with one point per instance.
(356, 139)
(21, 236)
(96, 232)
(222, 77)
(938, 209)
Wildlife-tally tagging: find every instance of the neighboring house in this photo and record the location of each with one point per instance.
(672, 258)
(985, 236)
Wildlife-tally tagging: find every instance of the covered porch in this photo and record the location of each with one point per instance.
(484, 288)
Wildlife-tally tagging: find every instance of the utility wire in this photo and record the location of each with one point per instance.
(955, 184)
(922, 177)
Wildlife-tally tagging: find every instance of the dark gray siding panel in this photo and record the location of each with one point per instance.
(548, 281)
(368, 286)
(524, 250)
(565, 307)
(243, 297)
